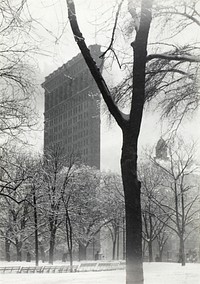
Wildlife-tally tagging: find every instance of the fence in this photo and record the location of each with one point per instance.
(82, 267)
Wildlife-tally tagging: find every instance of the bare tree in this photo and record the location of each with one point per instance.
(52, 167)
(18, 178)
(17, 71)
(89, 214)
(57, 172)
(69, 174)
(16, 227)
(15, 172)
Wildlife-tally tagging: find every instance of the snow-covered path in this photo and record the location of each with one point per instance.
(154, 273)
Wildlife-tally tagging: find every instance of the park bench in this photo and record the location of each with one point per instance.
(122, 264)
(75, 267)
(66, 268)
(87, 266)
(115, 265)
(10, 269)
(55, 269)
(27, 269)
(49, 269)
(31, 269)
(104, 266)
(38, 269)
(58, 269)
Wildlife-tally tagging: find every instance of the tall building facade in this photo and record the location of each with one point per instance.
(72, 110)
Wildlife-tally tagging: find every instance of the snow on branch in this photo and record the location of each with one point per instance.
(177, 57)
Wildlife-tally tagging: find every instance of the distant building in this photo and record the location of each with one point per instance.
(161, 149)
(72, 110)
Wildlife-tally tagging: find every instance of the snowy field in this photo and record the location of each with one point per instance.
(154, 273)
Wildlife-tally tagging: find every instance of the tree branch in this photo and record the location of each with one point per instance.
(12, 198)
(92, 65)
(192, 18)
(113, 32)
(165, 56)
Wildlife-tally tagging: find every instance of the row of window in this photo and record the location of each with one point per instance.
(68, 128)
(86, 155)
(65, 91)
(66, 71)
(75, 148)
(78, 109)
(74, 105)
(81, 120)
(80, 138)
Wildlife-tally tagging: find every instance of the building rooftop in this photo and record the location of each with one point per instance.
(94, 49)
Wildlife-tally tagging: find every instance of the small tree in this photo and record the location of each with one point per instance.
(57, 172)
(69, 176)
(52, 198)
(16, 227)
(89, 217)
(15, 177)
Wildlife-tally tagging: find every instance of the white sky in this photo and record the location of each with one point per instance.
(55, 38)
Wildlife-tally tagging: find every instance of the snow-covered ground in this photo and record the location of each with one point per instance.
(154, 273)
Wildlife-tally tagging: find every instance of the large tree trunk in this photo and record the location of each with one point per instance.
(134, 267)
(82, 252)
(182, 252)
(150, 251)
(51, 252)
(131, 131)
(68, 227)
(42, 253)
(124, 239)
(114, 248)
(161, 241)
(19, 255)
(7, 249)
(118, 242)
(19, 250)
(160, 254)
(71, 260)
(52, 246)
(114, 242)
(36, 230)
